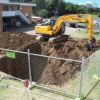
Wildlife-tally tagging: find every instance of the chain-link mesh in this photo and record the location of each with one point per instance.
(10, 87)
(18, 66)
(90, 75)
(44, 70)
(55, 78)
(12, 90)
(95, 93)
(55, 73)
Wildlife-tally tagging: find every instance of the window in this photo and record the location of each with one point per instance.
(11, 8)
(5, 8)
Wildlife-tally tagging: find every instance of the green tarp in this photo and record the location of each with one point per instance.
(11, 54)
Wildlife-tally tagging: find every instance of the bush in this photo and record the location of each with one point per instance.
(33, 23)
(99, 15)
(43, 13)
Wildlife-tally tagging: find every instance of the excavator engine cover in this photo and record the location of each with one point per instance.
(45, 30)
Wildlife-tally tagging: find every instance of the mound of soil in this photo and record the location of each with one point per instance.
(46, 71)
(59, 71)
(15, 40)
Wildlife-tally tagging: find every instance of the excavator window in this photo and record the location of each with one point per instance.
(52, 22)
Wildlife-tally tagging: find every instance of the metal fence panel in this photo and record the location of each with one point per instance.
(46, 70)
(53, 78)
(90, 74)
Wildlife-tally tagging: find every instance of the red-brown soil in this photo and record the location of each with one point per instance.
(44, 70)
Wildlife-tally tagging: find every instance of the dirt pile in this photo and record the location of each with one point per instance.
(46, 71)
(59, 71)
(70, 49)
(15, 40)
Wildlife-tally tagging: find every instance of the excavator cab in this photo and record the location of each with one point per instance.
(52, 21)
(62, 28)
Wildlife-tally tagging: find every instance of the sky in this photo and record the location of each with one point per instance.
(94, 2)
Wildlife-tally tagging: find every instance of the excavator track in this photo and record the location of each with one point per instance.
(60, 38)
(42, 38)
(55, 39)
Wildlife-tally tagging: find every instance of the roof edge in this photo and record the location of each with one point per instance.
(22, 4)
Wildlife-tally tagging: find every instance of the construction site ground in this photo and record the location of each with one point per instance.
(50, 71)
(66, 81)
(15, 89)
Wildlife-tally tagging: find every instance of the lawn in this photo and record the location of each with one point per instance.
(83, 34)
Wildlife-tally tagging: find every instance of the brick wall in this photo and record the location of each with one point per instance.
(27, 11)
(1, 24)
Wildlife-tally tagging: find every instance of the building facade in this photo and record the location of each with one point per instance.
(12, 12)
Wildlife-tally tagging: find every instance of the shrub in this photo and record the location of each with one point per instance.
(99, 15)
(43, 13)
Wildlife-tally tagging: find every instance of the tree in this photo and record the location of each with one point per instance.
(70, 8)
(99, 15)
(40, 4)
(61, 7)
(51, 6)
(40, 8)
(43, 13)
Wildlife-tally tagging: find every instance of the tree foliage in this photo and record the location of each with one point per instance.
(43, 13)
(48, 8)
(99, 15)
(51, 6)
(40, 4)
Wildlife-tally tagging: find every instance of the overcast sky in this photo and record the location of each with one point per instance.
(94, 2)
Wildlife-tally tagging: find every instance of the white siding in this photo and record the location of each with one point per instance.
(4, 1)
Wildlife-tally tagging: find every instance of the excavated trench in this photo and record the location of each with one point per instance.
(44, 70)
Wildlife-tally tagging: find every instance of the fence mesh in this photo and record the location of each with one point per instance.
(95, 93)
(55, 78)
(53, 72)
(12, 90)
(91, 71)
(17, 67)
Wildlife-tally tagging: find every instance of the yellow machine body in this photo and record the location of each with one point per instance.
(53, 30)
(44, 30)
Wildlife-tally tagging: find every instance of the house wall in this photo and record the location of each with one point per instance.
(27, 11)
(7, 7)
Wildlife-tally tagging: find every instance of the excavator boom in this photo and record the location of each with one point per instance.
(55, 29)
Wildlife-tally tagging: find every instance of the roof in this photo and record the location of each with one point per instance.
(16, 3)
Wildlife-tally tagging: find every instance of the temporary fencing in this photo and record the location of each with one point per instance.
(81, 77)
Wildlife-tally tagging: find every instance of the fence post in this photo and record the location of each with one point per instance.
(29, 67)
(81, 80)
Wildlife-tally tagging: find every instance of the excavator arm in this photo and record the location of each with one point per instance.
(88, 21)
(90, 27)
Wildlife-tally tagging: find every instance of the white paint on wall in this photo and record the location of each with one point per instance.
(4, 1)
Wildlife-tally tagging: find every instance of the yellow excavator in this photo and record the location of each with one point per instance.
(56, 27)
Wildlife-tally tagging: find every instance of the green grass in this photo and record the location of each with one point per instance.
(8, 93)
(93, 68)
(83, 34)
(95, 16)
